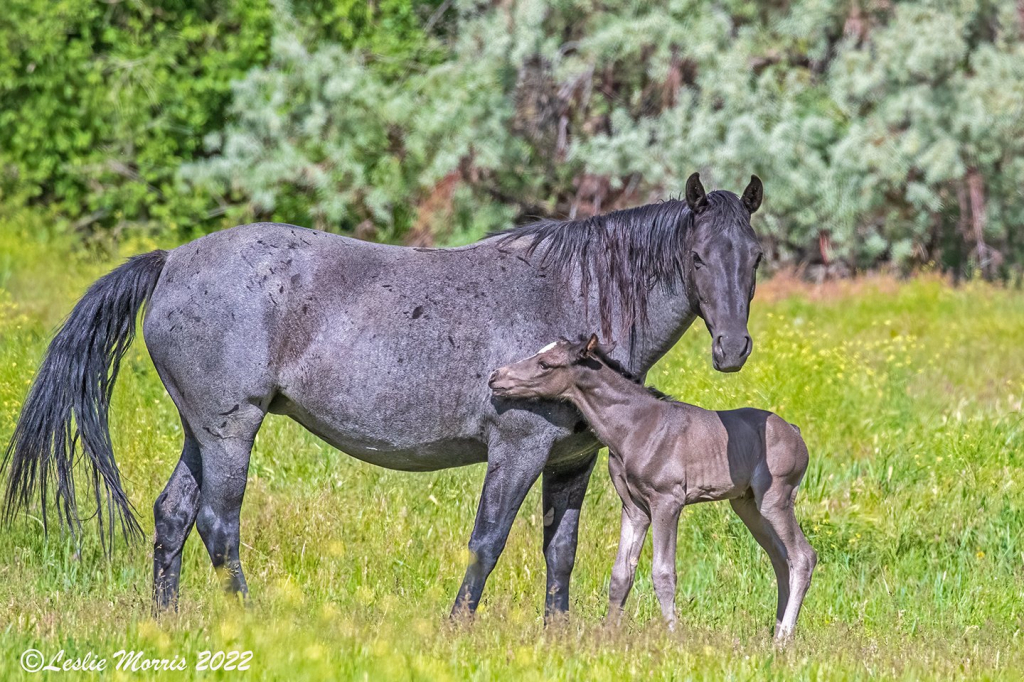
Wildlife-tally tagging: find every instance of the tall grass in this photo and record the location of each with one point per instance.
(908, 395)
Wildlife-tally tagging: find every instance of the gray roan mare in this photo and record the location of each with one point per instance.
(383, 352)
(664, 454)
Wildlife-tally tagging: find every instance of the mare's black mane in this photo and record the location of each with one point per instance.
(624, 253)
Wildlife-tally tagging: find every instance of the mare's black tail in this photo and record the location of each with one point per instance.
(67, 408)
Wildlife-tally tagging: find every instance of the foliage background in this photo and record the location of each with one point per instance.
(885, 132)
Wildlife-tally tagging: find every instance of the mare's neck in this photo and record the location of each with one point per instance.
(670, 312)
(610, 403)
(669, 308)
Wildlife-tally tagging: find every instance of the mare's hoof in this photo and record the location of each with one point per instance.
(556, 619)
(461, 614)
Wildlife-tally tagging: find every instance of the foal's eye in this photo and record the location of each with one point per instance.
(544, 365)
(697, 262)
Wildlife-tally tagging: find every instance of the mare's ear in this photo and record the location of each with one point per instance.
(753, 194)
(696, 197)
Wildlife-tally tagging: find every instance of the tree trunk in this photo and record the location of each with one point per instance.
(973, 219)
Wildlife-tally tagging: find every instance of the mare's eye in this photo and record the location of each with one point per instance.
(697, 262)
(760, 257)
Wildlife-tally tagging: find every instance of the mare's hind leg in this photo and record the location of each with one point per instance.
(225, 448)
(174, 514)
(777, 509)
(746, 509)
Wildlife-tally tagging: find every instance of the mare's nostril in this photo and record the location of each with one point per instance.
(718, 344)
(748, 345)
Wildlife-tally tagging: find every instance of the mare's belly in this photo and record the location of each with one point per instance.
(429, 448)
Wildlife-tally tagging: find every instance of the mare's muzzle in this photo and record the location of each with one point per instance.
(730, 350)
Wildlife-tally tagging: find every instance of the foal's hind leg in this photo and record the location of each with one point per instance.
(173, 516)
(225, 450)
(746, 509)
(777, 509)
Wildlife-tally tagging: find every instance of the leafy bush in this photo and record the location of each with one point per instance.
(101, 103)
(885, 132)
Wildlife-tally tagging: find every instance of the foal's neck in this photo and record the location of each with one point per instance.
(610, 403)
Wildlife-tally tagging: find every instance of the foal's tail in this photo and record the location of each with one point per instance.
(69, 403)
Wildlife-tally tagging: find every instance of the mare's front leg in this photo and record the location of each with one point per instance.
(512, 469)
(564, 490)
(665, 522)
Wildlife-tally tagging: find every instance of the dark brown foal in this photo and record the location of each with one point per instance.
(665, 454)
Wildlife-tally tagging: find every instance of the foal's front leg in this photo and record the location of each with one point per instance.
(666, 526)
(631, 541)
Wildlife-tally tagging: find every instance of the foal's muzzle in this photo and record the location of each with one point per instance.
(730, 351)
(496, 384)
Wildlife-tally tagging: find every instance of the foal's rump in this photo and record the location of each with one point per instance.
(785, 451)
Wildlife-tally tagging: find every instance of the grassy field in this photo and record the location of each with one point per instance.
(908, 394)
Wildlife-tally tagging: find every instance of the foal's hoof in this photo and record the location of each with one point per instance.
(783, 638)
(613, 620)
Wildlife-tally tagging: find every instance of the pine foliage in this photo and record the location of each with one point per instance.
(885, 132)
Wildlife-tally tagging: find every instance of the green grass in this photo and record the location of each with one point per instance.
(908, 395)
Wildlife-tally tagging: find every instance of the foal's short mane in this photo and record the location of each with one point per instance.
(627, 252)
(616, 367)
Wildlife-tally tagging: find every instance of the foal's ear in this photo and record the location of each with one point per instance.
(594, 347)
(753, 194)
(696, 197)
(586, 350)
